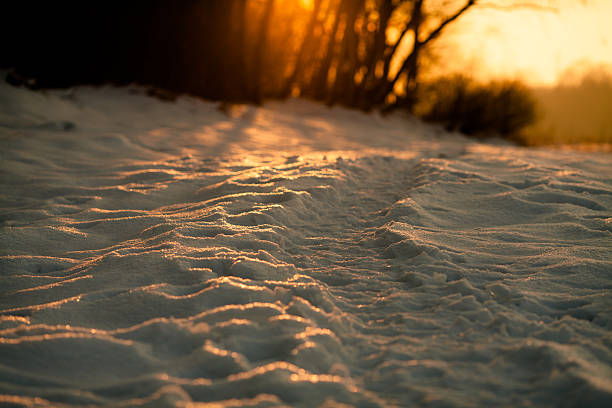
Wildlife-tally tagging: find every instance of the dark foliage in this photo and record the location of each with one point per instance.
(156, 42)
(461, 104)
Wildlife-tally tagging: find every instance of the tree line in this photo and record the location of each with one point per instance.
(366, 54)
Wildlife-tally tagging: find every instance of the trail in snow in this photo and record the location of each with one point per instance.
(155, 254)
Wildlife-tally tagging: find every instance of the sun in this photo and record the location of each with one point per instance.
(306, 4)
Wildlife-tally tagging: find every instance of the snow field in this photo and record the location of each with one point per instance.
(158, 254)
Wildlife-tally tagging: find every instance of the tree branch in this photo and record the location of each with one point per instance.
(521, 5)
(435, 33)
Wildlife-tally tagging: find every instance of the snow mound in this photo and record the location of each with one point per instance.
(157, 254)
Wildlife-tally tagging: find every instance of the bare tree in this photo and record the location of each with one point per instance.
(344, 83)
(260, 50)
(306, 42)
(319, 80)
(377, 49)
(410, 65)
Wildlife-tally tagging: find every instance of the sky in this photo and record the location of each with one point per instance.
(534, 45)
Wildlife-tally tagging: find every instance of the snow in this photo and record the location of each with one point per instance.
(159, 254)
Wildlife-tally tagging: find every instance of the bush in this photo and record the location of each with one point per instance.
(461, 104)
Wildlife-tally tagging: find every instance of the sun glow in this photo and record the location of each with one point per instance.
(307, 4)
(535, 45)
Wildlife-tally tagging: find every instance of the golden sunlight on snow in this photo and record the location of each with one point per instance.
(292, 254)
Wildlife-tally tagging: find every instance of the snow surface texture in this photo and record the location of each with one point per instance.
(159, 254)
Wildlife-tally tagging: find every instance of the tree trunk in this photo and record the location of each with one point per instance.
(234, 68)
(260, 50)
(376, 52)
(390, 52)
(319, 81)
(411, 63)
(344, 83)
(306, 42)
(387, 85)
(241, 47)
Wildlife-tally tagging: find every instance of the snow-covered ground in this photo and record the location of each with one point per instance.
(159, 254)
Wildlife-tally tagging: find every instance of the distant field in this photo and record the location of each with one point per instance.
(579, 113)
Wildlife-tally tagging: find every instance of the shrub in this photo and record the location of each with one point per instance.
(461, 104)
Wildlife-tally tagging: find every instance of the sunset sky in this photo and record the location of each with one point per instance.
(535, 45)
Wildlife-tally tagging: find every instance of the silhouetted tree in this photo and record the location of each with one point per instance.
(264, 25)
(298, 67)
(319, 80)
(376, 52)
(346, 67)
(410, 65)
